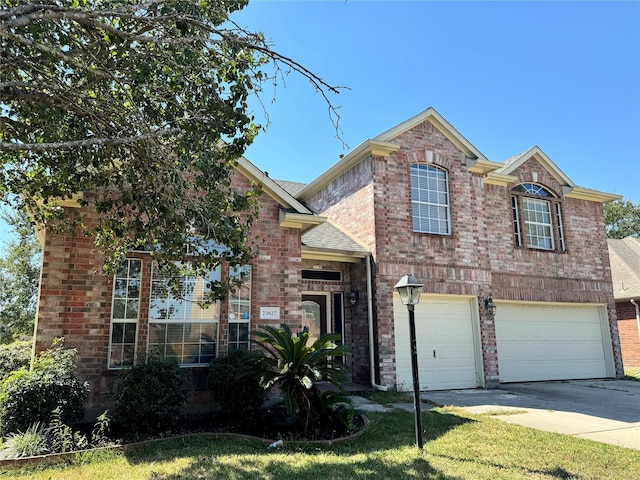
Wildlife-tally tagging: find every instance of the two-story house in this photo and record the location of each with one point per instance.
(419, 199)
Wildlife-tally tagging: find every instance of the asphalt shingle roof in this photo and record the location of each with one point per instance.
(624, 255)
(329, 237)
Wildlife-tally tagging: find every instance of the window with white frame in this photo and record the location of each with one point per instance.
(181, 328)
(125, 310)
(537, 217)
(240, 309)
(430, 199)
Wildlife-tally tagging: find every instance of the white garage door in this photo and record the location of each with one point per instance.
(445, 340)
(549, 342)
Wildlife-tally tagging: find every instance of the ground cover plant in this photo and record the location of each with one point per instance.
(457, 446)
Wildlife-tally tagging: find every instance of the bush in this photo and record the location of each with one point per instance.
(32, 442)
(234, 380)
(295, 365)
(55, 438)
(151, 395)
(30, 396)
(14, 356)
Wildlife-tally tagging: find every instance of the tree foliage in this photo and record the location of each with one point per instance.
(622, 219)
(19, 278)
(140, 106)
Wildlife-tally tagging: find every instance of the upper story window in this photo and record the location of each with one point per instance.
(430, 199)
(537, 218)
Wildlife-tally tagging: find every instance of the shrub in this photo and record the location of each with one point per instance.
(54, 438)
(14, 356)
(234, 380)
(30, 396)
(29, 443)
(294, 366)
(150, 396)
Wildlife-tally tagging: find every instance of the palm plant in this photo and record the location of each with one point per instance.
(294, 366)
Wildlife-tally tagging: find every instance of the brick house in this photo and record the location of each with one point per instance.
(418, 198)
(625, 269)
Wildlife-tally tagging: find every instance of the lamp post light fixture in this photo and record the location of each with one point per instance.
(409, 288)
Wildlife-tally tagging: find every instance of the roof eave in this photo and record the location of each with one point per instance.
(311, 253)
(303, 222)
(365, 149)
(580, 193)
(271, 188)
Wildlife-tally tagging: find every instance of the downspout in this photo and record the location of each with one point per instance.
(637, 316)
(371, 334)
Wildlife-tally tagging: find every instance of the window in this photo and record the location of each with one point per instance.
(179, 327)
(125, 306)
(537, 217)
(240, 310)
(430, 199)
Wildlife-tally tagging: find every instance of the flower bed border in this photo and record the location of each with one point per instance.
(130, 447)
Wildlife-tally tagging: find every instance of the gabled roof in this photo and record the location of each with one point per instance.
(438, 121)
(291, 187)
(624, 255)
(569, 189)
(383, 145)
(270, 187)
(293, 214)
(511, 164)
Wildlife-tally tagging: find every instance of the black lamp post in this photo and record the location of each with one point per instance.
(410, 288)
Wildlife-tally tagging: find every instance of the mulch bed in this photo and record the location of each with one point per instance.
(271, 423)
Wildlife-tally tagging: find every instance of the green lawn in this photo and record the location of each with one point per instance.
(457, 446)
(632, 374)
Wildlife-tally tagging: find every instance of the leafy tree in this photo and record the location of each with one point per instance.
(294, 365)
(622, 219)
(140, 106)
(19, 278)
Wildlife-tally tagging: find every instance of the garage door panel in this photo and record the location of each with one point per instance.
(445, 343)
(549, 342)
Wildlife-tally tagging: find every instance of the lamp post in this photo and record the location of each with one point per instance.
(409, 288)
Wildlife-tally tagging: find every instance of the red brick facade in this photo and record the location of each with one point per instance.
(75, 297)
(628, 326)
(371, 201)
(479, 257)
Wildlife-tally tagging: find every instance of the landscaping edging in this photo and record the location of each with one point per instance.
(130, 447)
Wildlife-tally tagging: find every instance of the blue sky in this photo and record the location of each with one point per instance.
(564, 76)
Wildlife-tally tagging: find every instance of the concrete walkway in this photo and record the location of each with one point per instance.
(606, 411)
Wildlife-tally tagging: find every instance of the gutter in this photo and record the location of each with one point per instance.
(382, 388)
(637, 315)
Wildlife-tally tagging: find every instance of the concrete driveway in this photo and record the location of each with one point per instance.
(606, 411)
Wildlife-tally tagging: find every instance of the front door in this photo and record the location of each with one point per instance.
(314, 314)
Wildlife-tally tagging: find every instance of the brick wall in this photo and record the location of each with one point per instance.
(629, 335)
(75, 297)
(479, 257)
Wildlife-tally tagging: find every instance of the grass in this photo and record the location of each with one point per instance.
(632, 374)
(457, 446)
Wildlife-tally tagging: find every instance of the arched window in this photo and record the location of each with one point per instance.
(537, 218)
(430, 199)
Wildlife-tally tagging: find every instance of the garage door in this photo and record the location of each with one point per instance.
(445, 340)
(549, 342)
